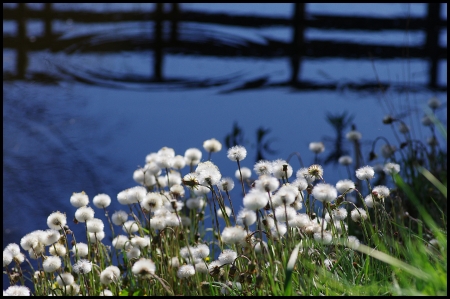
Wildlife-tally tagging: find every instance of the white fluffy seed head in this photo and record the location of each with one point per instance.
(109, 275)
(95, 225)
(80, 249)
(344, 185)
(51, 263)
(227, 256)
(237, 153)
(255, 200)
(56, 220)
(57, 249)
(234, 235)
(226, 184)
(246, 217)
(212, 145)
(65, 279)
(119, 217)
(192, 156)
(324, 192)
(281, 169)
(82, 266)
(101, 201)
(358, 214)
(83, 214)
(144, 267)
(185, 271)
(246, 173)
(79, 199)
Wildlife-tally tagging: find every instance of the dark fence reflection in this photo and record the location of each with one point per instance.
(176, 43)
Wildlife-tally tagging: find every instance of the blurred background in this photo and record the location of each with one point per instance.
(90, 89)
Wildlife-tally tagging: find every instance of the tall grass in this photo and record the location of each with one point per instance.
(372, 245)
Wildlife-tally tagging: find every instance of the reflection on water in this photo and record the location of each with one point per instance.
(167, 32)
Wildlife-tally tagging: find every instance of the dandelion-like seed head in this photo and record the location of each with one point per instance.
(324, 192)
(57, 249)
(80, 249)
(304, 173)
(300, 183)
(263, 167)
(144, 177)
(255, 199)
(95, 225)
(234, 235)
(279, 230)
(380, 191)
(212, 145)
(121, 242)
(195, 203)
(177, 190)
(246, 217)
(178, 162)
(352, 242)
(51, 263)
(144, 267)
(119, 217)
(353, 135)
(110, 274)
(17, 291)
(140, 242)
(65, 279)
(326, 239)
(83, 214)
(83, 266)
(284, 196)
(79, 199)
(101, 200)
(365, 173)
(266, 183)
(285, 213)
(237, 153)
(7, 258)
(227, 256)
(56, 220)
(208, 173)
(130, 227)
(316, 171)
(186, 271)
(317, 147)
(300, 221)
(246, 173)
(192, 156)
(227, 210)
(226, 184)
(281, 169)
(29, 241)
(345, 185)
(358, 214)
(391, 168)
(201, 251)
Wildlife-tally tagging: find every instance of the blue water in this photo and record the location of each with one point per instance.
(65, 138)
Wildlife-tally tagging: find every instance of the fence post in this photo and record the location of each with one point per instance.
(22, 41)
(48, 17)
(175, 16)
(432, 41)
(298, 24)
(157, 42)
